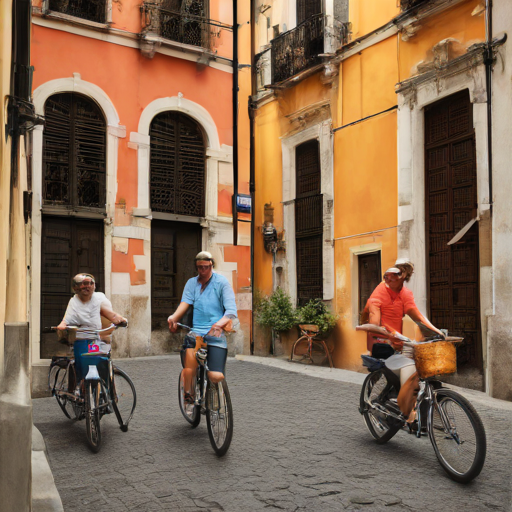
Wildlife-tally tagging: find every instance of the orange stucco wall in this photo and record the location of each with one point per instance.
(132, 82)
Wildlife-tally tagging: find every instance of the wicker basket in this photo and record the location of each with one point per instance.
(436, 358)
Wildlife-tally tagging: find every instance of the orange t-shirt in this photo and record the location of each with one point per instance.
(393, 306)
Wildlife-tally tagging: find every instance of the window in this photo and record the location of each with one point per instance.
(308, 222)
(177, 165)
(74, 153)
(307, 8)
(370, 275)
(92, 10)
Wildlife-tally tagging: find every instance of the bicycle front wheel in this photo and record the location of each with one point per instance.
(191, 412)
(219, 416)
(92, 415)
(375, 398)
(124, 398)
(457, 435)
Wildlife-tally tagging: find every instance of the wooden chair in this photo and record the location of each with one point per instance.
(309, 335)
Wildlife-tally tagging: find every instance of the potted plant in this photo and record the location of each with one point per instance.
(315, 312)
(277, 312)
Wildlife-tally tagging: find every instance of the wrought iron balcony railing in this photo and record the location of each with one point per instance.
(408, 4)
(181, 27)
(304, 46)
(92, 10)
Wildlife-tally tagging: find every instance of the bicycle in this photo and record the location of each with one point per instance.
(212, 400)
(95, 397)
(454, 427)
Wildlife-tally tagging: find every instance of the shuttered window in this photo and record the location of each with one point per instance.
(74, 153)
(308, 222)
(308, 8)
(451, 202)
(92, 10)
(178, 159)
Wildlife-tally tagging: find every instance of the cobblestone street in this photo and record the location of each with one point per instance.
(299, 444)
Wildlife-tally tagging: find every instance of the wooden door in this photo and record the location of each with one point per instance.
(451, 202)
(68, 246)
(174, 246)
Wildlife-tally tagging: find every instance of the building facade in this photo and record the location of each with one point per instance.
(134, 171)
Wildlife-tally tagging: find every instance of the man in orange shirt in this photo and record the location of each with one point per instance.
(387, 306)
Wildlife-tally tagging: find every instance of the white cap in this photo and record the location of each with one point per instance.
(393, 270)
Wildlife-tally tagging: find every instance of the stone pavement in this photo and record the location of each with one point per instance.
(299, 444)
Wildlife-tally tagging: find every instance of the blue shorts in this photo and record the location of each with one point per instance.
(217, 356)
(82, 363)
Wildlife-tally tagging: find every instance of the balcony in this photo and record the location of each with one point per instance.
(186, 29)
(405, 5)
(305, 46)
(91, 10)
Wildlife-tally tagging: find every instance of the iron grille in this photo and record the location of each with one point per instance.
(301, 48)
(92, 10)
(309, 269)
(308, 222)
(409, 4)
(298, 49)
(177, 165)
(451, 203)
(74, 153)
(183, 21)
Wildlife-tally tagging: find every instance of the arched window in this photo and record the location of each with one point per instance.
(177, 165)
(74, 153)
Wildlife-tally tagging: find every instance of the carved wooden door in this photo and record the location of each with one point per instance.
(69, 246)
(451, 202)
(173, 248)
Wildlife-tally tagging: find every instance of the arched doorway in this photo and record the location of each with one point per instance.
(73, 204)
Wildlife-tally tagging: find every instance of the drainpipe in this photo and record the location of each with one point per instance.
(235, 120)
(488, 61)
(252, 187)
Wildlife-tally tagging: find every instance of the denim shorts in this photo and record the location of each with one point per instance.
(217, 356)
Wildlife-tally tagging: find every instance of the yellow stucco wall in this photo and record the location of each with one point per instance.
(365, 193)
(369, 15)
(465, 23)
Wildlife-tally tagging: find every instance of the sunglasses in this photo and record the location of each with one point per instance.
(203, 267)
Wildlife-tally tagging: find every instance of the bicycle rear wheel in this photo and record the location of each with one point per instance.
(219, 416)
(375, 394)
(124, 398)
(63, 379)
(92, 415)
(191, 412)
(457, 435)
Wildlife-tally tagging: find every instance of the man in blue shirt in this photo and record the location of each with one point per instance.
(214, 305)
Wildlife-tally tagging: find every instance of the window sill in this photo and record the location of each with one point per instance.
(55, 15)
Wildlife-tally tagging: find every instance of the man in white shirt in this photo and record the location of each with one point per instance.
(85, 309)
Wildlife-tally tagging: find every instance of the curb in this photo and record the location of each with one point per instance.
(45, 497)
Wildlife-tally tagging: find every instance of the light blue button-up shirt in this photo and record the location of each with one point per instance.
(210, 305)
